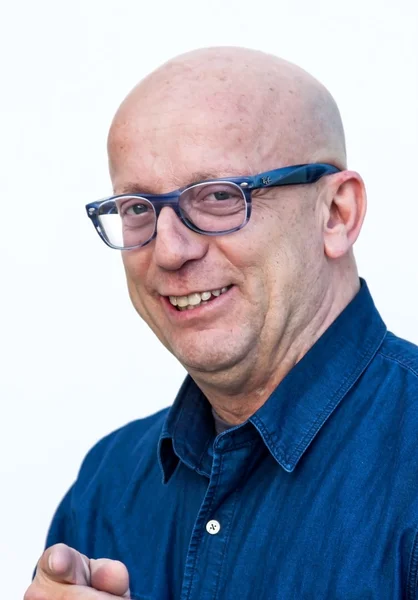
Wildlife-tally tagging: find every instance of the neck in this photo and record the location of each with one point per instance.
(238, 394)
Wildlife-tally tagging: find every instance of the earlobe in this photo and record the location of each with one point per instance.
(345, 212)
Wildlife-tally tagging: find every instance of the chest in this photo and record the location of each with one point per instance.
(254, 531)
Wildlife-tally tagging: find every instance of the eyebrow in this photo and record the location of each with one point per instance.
(196, 177)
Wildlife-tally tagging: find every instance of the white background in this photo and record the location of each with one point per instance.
(76, 361)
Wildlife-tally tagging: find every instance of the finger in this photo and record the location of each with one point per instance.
(110, 576)
(63, 591)
(63, 564)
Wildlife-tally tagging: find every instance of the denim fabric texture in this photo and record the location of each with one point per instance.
(316, 494)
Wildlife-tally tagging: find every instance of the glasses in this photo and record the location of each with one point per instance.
(216, 207)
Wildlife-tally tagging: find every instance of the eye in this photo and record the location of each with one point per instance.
(204, 203)
(135, 209)
(212, 194)
(135, 212)
(222, 195)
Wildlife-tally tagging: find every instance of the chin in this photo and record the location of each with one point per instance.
(210, 357)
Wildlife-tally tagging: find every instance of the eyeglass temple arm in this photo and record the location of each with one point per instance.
(298, 174)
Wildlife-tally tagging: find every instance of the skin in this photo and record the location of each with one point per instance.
(65, 574)
(226, 112)
(215, 113)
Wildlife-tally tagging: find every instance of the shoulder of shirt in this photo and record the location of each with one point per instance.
(122, 448)
(402, 352)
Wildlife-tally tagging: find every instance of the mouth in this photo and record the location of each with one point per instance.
(196, 299)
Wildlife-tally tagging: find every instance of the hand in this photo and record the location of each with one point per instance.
(65, 574)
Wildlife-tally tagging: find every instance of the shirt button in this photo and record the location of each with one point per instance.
(213, 527)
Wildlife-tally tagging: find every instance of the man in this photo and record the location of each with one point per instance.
(286, 467)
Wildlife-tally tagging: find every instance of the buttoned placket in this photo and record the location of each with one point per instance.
(232, 457)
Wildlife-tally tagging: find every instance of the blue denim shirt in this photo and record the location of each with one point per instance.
(316, 496)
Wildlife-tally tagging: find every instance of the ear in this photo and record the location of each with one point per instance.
(344, 206)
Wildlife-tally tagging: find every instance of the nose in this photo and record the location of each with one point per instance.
(176, 244)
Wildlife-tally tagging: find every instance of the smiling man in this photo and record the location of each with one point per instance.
(286, 467)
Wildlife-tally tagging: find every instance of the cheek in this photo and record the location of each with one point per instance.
(261, 244)
(278, 247)
(136, 265)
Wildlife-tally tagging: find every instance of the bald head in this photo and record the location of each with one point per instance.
(225, 112)
(231, 110)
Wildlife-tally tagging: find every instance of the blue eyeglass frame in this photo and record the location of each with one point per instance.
(291, 175)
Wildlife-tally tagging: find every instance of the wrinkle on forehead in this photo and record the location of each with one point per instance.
(261, 111)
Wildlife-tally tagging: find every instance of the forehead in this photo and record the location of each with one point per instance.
(176, 156)
(163, 140)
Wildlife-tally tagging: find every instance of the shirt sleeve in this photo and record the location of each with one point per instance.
(62, 528)
(412, 590)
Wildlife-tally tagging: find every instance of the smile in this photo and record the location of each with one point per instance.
(196, 298)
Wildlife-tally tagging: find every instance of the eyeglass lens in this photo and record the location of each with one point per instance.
(130, 221)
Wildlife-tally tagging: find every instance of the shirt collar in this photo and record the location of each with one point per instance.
(308, 395)
(299, 406)
(187, 432)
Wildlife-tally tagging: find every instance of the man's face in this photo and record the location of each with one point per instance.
(264, 271)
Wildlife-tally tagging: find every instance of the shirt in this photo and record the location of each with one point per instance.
(315, 496)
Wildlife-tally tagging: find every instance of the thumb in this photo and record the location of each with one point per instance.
(63, 564)
(110, 576)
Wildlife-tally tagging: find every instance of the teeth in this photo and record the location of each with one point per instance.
(182, 301)
(194, 300)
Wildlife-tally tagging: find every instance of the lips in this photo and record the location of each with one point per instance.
(196, 299)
